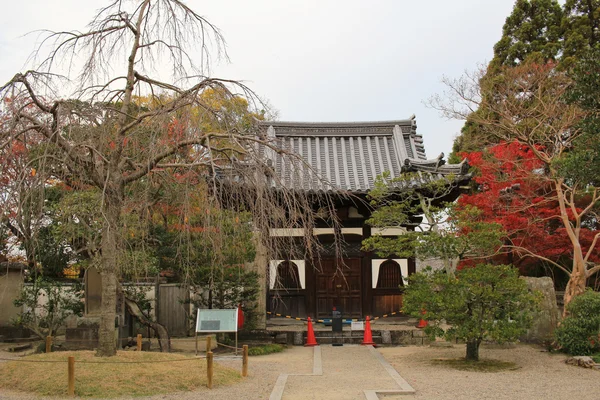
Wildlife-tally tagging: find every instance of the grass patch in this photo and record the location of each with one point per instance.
(483, 365)
(596, 358)
(265, 349)
(152, 373)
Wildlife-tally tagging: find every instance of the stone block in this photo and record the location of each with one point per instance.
(298, 338)
(402, 337)
(386, 337)
(418, 333)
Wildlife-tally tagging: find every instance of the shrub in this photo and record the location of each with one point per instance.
(265, 349)
(46, 304)
(481, 302)
(579, 333)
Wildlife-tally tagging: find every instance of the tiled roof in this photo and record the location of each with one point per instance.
(349, 156)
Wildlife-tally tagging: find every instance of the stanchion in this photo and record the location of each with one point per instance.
(245, 361)
(368, 336)
(209, 369)
(48, 344)
(139, 342)
(311, 340)
(71, 375)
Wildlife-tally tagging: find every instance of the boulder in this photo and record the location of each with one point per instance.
(581, 361)
(546, 319)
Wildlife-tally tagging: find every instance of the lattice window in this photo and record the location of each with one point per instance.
(287, 276)
(390, 276)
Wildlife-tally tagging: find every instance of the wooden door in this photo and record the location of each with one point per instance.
(173, 308)
(339, 285)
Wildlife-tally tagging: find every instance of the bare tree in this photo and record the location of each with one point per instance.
(99, 134)
(526, 104)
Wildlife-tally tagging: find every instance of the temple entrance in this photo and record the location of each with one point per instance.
(339, 286)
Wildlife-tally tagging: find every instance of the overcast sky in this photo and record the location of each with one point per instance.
(318, 60)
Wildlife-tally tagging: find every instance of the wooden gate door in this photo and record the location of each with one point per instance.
(173, 306)
(339, 286)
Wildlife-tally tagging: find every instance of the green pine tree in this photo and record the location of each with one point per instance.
(532, 29)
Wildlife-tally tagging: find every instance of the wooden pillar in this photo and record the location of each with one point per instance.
(71, 376)
(367, 273)
(260, 266)
(209, 369)
(245, 361)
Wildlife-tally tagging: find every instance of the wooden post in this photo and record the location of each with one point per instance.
(245, 361)
(208, 343)
(196, 337)
(48, 344)
(139, 342)
(209, 369)
(71, 389)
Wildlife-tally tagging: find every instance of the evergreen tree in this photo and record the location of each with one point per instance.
(581, 27)
(533, 28)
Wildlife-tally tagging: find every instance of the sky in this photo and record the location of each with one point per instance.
(318, 60)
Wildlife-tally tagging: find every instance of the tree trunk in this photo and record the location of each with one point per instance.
(106, 335)
(163, 335)
(473, 350)
(577, 281)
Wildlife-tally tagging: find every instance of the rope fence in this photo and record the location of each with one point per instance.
(70, 361)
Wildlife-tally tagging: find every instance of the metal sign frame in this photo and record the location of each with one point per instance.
(228, 312)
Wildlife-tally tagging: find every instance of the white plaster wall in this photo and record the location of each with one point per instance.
(273, 272)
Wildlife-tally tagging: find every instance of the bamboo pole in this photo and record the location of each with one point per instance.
(139, 342)
(209, 369)
(71, 373)
(48, 344)
(245, 361)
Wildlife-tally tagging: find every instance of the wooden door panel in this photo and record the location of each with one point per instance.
(340, 286)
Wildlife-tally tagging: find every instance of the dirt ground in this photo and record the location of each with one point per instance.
(540, 375)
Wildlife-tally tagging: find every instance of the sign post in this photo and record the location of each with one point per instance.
(217, 321)
(336, 326)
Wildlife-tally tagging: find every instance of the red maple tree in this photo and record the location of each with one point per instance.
(513, 190)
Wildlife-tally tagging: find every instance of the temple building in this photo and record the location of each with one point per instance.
(346, 158)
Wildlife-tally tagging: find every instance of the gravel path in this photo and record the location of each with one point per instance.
(540, 375)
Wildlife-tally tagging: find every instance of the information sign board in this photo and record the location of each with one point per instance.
(357, 325)
(211, 321)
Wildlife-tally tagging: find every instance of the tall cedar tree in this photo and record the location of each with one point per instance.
(539, 31)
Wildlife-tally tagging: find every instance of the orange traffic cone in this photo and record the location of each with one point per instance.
(368, 338)
(310, 335)
(422, 323)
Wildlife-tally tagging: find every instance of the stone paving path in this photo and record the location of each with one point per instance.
(346, 373)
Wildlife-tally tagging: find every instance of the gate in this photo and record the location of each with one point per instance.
(173, 308)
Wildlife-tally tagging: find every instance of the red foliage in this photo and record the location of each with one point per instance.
(513, 191)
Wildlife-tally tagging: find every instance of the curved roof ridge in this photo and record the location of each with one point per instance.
(338, 123)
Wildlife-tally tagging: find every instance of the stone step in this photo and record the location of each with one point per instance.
(384, 337)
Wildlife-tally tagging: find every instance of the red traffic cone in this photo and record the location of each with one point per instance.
(310, 335)
(422, 323)
(368, 338)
